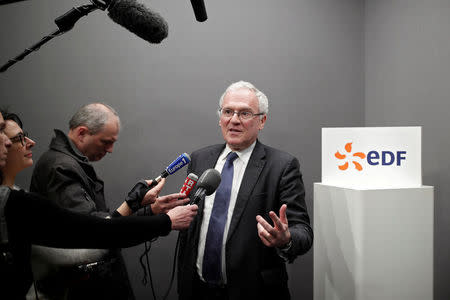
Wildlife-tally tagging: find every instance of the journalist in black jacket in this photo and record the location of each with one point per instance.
(27, 218)
(66, 176)
(31, 219)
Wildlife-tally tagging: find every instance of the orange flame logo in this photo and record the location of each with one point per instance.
(348, 149)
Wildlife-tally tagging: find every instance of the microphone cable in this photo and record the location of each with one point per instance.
(147, 271)
(146, 266)
(175, 256)
(189, 183)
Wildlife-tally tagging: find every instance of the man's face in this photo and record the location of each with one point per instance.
(95, 146)
(237, 133)
(5, 143)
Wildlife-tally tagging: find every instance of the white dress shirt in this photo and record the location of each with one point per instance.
(239, 166)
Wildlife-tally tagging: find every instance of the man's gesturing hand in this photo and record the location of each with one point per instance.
(277, 235)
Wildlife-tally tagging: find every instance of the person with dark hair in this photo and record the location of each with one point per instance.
(20, 155)
(257, 219)
(27, 218)
(65, 175)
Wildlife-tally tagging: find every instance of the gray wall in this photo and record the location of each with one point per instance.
(407, 83)
(307, 55)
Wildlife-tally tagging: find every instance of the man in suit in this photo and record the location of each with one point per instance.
(237, 247)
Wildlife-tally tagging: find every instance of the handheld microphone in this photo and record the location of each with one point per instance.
(177, 164)
(207, 184)
(199, 10)
(189, 183)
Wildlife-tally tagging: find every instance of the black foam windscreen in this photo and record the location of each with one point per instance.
(209, 180)
(138, 19)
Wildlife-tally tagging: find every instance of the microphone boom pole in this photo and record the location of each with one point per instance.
(64, 23)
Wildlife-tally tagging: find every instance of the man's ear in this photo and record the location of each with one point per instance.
(81, 132)
(263, 121)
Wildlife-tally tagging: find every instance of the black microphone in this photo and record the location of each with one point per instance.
(138, 19)
(206, 185)
(199, 10)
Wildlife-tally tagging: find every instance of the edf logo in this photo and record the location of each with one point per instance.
(374, 158)
(387, 158)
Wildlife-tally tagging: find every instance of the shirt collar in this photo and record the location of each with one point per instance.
(244, 155)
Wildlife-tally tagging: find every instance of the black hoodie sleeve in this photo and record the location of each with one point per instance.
(39, 221)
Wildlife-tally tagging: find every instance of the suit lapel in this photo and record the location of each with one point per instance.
(251, 175)
(211, 159)
(207, 163)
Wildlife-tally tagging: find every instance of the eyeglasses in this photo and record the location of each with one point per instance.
(243, 115)
(21, 137)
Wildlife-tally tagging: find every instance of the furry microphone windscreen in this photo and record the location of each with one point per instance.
(138, 19)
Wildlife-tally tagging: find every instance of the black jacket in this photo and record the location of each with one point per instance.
(254, 271)
(66, 177)
(32, 219)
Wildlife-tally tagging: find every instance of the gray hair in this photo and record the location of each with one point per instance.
(263, 102)
(94, 116)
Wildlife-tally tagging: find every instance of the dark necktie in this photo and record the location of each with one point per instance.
(212, 257)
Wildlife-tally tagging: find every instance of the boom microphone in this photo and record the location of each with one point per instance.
(189, 184)
(199, 10)
(206, 185)
(135, 17)
(131, 15)
(138, 19)
(177, 164)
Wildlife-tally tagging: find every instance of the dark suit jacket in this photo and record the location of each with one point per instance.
(254, 271)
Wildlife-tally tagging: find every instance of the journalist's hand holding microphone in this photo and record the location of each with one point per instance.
(146, 192)
(143, 194)
(173, 205)
(165, 203)
(182, 216)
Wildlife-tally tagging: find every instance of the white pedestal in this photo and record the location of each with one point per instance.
(373, 244)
